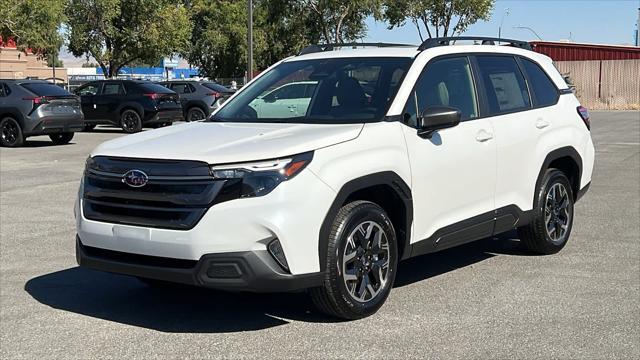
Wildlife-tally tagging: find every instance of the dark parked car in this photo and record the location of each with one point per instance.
(130, 104)
(199, 98)
(36, 107)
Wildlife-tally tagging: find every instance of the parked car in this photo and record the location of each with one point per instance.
(291, 98)
(198, 98)
(129, 104)
(36, 107)
(454, 143)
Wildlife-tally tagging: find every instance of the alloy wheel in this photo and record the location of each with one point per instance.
(196, 115)
(365, 261)
(130, 121)
(10, 132)
(557, 212)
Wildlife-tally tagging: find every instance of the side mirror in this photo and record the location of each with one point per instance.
(437, 118)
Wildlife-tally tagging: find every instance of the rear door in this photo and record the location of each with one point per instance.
(509, 106)
(109, 100)
(183, 90)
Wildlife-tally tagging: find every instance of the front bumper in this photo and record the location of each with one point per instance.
(252, 271)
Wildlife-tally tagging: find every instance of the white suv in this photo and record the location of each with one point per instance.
(392, 152)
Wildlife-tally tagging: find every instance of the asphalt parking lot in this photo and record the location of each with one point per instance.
(489, 299)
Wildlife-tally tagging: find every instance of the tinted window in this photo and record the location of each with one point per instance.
(216, 87)
(544, 92)
(180, 88)
(152, 88)
(45, 89)
(337, 90)
(445, 82)
(2, 91)
(504, 84)
(112, 89)
(89, 89)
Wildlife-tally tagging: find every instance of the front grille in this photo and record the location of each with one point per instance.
(176, 196)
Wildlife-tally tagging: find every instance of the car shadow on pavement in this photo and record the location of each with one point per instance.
(43, 143)
(183, 309)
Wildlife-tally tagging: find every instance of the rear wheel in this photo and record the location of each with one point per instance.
(10, 133)
(130, 121)
(62, 138)
(361, 262)
(552, 217)
(195, 114)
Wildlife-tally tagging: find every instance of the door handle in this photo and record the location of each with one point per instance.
(483, 135)
(541, 124)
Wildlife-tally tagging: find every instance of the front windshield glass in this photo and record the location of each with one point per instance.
(341, 90)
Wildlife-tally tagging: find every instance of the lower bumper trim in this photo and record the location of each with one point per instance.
(253, 271)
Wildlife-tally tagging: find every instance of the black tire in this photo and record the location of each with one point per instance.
(131, 121)
(89, 127)
(195, 114)
(10, 133)
(334, 297)
(62, 138)
(550, 214)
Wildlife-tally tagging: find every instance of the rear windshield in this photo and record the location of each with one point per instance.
(154, 88)
(216, 87)
(45, 89)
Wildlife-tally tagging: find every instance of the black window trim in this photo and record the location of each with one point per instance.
(520, 59)
(474, 80)
(3, 90)
(488, 113)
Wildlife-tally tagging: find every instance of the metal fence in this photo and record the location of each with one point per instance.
(605, 84)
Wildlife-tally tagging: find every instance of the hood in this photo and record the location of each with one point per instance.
(219, 143)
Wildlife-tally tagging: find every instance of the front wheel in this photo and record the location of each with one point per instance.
(552, 220)
(62, 138)
(131, 121)
(361, 262)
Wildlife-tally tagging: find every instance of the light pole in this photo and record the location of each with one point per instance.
(530, 29)
(506, 13)
(250, 41)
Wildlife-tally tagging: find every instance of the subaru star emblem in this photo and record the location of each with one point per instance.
(135, 178)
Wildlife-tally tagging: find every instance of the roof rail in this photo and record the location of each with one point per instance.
(445, 41)
(330, 47)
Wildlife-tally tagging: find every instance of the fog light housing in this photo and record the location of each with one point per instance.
(276, 251)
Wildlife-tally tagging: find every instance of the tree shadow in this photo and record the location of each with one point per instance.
(183, 309)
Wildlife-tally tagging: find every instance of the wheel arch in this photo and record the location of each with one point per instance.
(130, 106)
(567, 160)
(195, 104)
(13, 113)
(389, 191)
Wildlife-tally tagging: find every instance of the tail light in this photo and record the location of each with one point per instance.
(152, 96)
(584, 114)
(38, 100)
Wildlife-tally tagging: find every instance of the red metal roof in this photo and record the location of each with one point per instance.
(568, 51)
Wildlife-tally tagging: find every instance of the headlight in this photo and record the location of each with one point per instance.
(261, 177)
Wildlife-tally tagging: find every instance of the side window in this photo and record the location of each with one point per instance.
(293, 91)
(180, 88)
(2, 91)
(544, 92)
(112, 89)
(504, 84)
(89, 89)
(192, 88)
(445, 82)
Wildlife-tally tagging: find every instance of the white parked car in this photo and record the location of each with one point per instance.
(398, 151)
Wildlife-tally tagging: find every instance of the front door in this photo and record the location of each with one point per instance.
(87, 94)
(454, 171)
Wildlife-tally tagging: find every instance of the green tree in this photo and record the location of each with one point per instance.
(117, 33)
(338, 21)
(33, 24)
(58, 63)
(438, 17)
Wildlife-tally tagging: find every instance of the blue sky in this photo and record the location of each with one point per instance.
(589, 21)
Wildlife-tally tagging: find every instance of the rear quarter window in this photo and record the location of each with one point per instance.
(151, 88)
(44, 89)
(544, 92)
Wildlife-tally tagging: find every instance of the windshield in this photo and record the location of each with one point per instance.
(341, 90)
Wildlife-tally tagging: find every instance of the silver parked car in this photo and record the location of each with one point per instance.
(36, 107)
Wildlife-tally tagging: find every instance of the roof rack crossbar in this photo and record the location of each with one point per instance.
(330, 47)
(445, 41)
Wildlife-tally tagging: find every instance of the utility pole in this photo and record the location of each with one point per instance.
(638, 29)
(506, 13)
(54, 67)
(250, 41)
